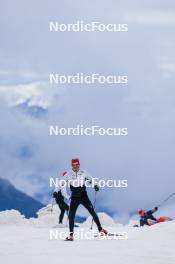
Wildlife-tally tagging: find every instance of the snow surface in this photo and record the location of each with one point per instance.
(104, 219)
(28, 241)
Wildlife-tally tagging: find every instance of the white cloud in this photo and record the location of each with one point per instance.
(36, 94)
(146, 106)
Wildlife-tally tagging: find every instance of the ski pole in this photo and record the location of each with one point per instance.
(170, 196)
(52, 205)
(94, 209)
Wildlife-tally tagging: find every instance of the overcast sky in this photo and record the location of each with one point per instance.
(146, 53)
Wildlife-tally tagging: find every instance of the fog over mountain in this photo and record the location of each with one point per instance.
(29, 105)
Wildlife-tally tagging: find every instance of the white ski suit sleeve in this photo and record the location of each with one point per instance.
(62, 187)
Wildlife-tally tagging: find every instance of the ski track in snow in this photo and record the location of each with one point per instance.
(28, 244)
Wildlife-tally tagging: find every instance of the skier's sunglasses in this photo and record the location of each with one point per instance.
(75, 165)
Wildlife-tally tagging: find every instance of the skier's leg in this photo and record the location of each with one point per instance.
(61, 215)
(66, 206)
(63, 205)
(73, 207)
(88, 205)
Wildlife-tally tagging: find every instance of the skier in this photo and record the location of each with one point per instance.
(77, 179)
(59, 198)
(147, 218)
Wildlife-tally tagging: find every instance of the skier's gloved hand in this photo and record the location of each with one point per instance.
(156, 208)
(96, 187)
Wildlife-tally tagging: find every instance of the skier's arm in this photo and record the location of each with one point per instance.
(55, 192)
(63, 185)
(150, 214)
(154, 210)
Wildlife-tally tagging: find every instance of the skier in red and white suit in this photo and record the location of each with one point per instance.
(77, 180)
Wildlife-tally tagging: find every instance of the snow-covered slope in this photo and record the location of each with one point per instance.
(48, 217)
(104, 219)
(28, 245)
(21, 241)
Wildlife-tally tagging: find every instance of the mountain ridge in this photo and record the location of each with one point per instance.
(12, 198)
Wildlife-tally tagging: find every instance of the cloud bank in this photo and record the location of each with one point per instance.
(29, 156)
